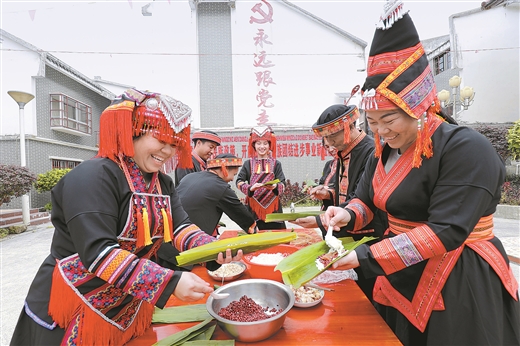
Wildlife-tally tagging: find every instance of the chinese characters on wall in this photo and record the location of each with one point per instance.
(291, 145)
(261, 18)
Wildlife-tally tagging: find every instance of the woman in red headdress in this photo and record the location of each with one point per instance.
(100, 284)
(262, 167)
(443, 278)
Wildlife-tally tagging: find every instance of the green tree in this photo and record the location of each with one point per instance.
(46, 181)
(15, 181)
(513, 140)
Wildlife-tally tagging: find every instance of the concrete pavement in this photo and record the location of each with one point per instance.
(22, 254)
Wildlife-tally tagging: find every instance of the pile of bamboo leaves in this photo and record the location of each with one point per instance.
(300, 267)
(247, 243)
(199, 334)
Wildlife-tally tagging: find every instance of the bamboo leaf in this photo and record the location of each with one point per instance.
(300, 267)
(210, 343)
(290, 216)
(248, 243)
(184, 335)
(179, 314)
(206, 335)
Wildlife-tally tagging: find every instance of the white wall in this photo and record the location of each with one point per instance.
(17, 68)
(487, 47)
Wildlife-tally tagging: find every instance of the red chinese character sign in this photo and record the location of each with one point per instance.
(262, 16)
(288, 145)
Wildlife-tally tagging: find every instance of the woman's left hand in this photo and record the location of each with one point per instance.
(229, 257)
(350, 261)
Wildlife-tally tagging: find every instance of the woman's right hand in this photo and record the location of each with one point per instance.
(256, 186)
(306, 222)
(191, 288)
(337, 217)
(319, 192)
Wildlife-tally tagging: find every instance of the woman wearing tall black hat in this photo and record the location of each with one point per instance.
(100, 284)
(443, 278)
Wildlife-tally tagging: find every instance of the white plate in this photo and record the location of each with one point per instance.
(313, 303)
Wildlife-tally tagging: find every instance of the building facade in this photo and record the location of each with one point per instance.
(482, 48)
(62, 121)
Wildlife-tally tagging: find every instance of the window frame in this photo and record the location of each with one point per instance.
(68, 113)
(442, 62)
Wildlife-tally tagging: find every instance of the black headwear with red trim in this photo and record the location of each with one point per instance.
(223, 161)
(399, 76)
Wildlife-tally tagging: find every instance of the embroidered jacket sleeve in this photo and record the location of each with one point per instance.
(244, 177)
(452, 191)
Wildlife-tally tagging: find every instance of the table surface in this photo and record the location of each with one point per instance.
(345, 316)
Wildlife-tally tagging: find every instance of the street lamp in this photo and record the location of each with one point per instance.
(466, 95)
(22, 98)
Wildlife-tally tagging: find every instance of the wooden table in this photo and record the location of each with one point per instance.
(344, 317)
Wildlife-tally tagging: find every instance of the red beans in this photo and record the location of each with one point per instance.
(327, 258)
(246, 310)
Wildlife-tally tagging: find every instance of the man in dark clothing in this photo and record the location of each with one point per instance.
(204, 144)
(206, 195)
(327, 179)
(336, 125)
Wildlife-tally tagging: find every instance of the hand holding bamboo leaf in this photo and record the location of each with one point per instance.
(349, 261)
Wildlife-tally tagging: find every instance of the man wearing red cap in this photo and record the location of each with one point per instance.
(204, 144)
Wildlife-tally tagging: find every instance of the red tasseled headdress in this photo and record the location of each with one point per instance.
(135, 113)
(262, 133)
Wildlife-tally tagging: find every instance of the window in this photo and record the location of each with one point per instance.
(69, 115)
(442, 62)
(64, 163)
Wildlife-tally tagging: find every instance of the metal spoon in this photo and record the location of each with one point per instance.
(219, 295)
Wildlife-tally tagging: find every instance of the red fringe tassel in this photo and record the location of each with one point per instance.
(115, 134)
(65, 306)
(260, 211)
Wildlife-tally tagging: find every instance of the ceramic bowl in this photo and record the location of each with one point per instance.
(309, 290)
(266, 271)
(228, 272)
